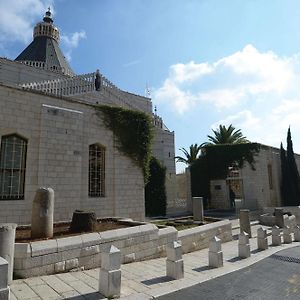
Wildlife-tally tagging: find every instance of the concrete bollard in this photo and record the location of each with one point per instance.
(276, 236)
(287, 235)
(7, 246)
(174, 264)
(215, 254)
(245, 221)
(4, 289)
(198, 209)
(296, 230)
(110, 273)
(262, 239)
(42, 213)
(244, 246)
(279, 217)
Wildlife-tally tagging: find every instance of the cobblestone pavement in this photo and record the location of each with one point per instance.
(276, 277)
(141, 280)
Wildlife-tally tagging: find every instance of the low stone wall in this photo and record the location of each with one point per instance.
(198, 237)
(4, 289)
(267, 219)
(136, 243)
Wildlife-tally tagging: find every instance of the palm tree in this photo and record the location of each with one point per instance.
(226, 135)
(190, 156)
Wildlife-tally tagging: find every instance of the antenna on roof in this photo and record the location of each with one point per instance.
(147, 91)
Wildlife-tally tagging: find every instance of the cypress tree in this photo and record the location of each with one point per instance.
(292, 173)
(284, 178)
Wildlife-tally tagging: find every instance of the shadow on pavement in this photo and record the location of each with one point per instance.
(204, 268)
(157, 280)
(90, 296)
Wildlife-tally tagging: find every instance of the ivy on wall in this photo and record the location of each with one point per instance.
(134, 132)
(216, 160)
(155, 190)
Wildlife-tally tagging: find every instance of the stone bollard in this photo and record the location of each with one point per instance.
(175, 268)
(262, 239)
(110, 273)
(42, 213)
(287, 235)
(279, 217)
(245, 221)
(276, 236)
(7, 246)
(4, 289)
(198, 209)
(244, 246)
(296, 230)
(215, 254)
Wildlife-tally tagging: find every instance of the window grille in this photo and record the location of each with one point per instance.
(12, 167)
(96, 171)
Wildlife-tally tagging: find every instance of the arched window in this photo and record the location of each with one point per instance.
(12, 167)
(96, 171)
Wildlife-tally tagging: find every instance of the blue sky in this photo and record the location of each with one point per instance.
(207, 62)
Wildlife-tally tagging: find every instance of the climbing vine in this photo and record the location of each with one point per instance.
(134, 132)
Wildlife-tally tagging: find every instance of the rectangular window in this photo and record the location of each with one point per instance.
(12, 167)
(96, 171)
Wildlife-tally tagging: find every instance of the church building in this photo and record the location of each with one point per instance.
(52, 136)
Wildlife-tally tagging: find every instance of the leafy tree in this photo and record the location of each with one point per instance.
(191, 155)
(226, 135)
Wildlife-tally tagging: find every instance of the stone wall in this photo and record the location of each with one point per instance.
(59, 132)
(13, 72)
(141, 242)
(163, 149)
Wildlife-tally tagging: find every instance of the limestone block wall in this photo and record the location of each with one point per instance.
(219, 194)
(12, 72)
(163, 149)
(59, 132)
(143, 241)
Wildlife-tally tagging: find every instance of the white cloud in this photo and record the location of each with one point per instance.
(17, 18)
(72, 41)
(255, 91)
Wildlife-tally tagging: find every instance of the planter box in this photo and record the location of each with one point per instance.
(136, 243)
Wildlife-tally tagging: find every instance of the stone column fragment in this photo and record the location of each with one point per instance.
(174, 264)
(296, 230)
(276, 236)
(110, 273)
(215, 254)
(279, 217)
(198, 209)
(4, 289)
(7, 246)
(287, 235)
(245, 221)
(262, 239)
(42, 213)
(244, 246)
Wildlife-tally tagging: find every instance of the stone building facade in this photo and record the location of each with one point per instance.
(52, 136)
(254, 189)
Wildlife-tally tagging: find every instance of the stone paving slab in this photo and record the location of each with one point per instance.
(141, 279)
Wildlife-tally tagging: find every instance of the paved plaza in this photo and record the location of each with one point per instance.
(147, 279)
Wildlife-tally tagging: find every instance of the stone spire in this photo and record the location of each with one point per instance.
(44, 51)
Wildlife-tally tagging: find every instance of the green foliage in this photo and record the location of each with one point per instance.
(134, 132)
(155, 190)
(226, 135)
(191, 155)
(216, 160)
(290, 182)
